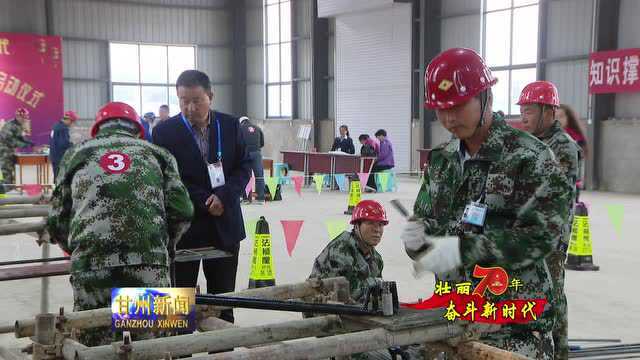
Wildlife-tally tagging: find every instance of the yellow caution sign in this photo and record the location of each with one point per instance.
(580, 254)
(262, 269)
(355, 193)
(580, 243)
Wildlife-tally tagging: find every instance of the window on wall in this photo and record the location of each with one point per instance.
(277, 42)
(510, 47)
(144, 76)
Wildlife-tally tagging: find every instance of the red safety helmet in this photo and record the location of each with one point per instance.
(116, 110)
(455, 76)
(369, 210)
(71, 115)
(540, 92)
(22, 111)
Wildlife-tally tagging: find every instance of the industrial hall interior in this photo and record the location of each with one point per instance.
(319, 179)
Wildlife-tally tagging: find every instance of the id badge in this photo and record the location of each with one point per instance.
(216, 174)
(475, 214)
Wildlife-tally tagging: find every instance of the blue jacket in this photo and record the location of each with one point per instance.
(59, 142)
(147, 129)
(227, 230)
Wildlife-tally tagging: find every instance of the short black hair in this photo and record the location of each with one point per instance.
(363, 137)
(165, 106)
(381, 132)
(192, 78)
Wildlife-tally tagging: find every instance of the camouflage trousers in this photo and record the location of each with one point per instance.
(532, 344)
(92, 290)
(555, 262)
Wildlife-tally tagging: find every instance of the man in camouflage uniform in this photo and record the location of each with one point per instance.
(353, 254)
(538, 103)
(11, 138)
(119, 208)
(493, 169)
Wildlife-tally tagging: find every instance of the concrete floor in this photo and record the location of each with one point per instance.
(600, 303)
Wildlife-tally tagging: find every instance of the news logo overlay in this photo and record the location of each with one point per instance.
(462, 301)
(153, 309)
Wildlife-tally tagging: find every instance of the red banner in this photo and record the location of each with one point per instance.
(31, 77)
(614, 71)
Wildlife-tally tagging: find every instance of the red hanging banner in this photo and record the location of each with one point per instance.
(31, 78)
(614, 71)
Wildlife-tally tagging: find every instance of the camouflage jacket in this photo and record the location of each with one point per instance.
(119, 201)
(343, 257)
(526, 195)
(568, 154)
(566, 151)
(11, 137)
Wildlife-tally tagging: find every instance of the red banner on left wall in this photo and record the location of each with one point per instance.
(31, 78)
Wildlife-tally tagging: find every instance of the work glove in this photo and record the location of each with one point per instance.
(414, 238)
(442, 256)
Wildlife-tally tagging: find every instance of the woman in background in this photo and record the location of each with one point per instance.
(569, 121)
(344, 143)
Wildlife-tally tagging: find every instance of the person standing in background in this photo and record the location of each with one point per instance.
(570, 123)
(60, 140)
(215, 168)
(147, 123)
(11, 138)
(163, 113)
(344, 143)
(254, 140)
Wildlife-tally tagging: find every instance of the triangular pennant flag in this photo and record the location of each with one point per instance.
(291, 230)
(341, 180)
(272, 184)
(364, 178)
(250, 227)
(336, 227)
(383, 180)
(32, 189)
(319, 180)
(297, 183)
(250, 185)
(616, 213)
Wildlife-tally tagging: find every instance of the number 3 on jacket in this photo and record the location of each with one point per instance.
(115, 162)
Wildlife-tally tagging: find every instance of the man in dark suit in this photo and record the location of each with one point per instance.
(215, 168)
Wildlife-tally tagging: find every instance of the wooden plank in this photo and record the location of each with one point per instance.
(405, 319)
(34, 271)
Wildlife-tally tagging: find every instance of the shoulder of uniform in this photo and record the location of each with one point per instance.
(520, 141)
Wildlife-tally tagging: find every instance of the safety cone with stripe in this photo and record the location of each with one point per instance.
(262, 272)
(355, 192)
(580, 252)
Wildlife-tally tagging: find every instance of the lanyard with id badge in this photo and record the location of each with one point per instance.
(475, 213)
(214, 169)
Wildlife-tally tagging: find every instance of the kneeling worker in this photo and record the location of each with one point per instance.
(353, 254)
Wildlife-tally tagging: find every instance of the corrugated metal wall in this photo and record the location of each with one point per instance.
(460, 24)
(569, 34)
(87, 25)
(376, 42)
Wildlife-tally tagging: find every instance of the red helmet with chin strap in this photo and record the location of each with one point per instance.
(454, 76)
(540, 92)
(370, 210)
(116, 110)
